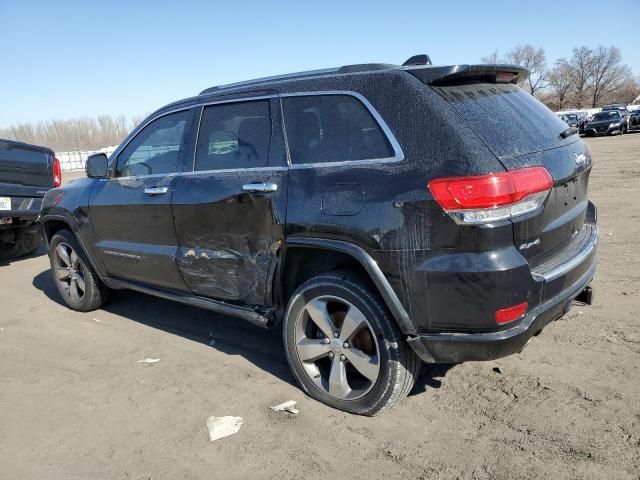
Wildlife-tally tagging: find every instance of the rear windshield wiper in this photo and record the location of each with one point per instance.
(568, 132)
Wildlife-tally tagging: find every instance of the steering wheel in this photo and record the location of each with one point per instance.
(222, 143)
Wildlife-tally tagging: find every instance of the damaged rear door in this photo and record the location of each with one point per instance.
(229, 213)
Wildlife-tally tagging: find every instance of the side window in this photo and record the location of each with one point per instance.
(156, 148)
(234, 135)
(332, 128)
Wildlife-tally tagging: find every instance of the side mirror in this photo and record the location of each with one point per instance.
(97, 166)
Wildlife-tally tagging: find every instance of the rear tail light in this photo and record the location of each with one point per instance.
(494, 197)
(505, 77)
(57, 172)
(506, 315)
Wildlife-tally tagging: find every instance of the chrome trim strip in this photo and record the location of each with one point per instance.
(566, 267)
(195, 147)
(198, 172)
(397, 150)
(234, 170)
(344, 163)
(284, 133)
(153, 175)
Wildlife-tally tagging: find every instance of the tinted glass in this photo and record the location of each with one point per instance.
(156, 149)
(509, 120)
(332, 128)
(234, 135)
(608, 115)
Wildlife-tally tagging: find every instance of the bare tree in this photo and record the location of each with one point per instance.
(533, 59)
(492, 58)
(590, 77)
(628, 92)
(72, 134)
(560, 83)
(582, 72)
(608, 72)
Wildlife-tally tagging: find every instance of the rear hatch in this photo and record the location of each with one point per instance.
(522, 132)
(23, 166)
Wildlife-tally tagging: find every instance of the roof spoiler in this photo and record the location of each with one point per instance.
(461, 74)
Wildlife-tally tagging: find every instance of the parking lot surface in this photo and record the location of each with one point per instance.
(76, 404)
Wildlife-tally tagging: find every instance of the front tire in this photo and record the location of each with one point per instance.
(344, 348)
(77, 283)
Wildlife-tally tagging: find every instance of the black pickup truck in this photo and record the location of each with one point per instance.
(27, 172)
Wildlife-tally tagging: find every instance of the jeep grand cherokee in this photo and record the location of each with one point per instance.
(382, 216)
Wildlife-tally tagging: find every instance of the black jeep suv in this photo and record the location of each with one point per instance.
(381, 215)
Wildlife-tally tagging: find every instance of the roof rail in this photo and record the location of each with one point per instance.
(274, 78)
(362, 67)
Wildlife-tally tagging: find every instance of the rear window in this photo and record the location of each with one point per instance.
(15, 156)
(509, 120)
(332, 128)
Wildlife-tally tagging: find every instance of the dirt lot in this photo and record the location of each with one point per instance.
(75, 404)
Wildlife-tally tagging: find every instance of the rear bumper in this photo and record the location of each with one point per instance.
(463, 347)
(24, 210)
(21, 214)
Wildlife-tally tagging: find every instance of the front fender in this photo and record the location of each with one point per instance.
(69, 205)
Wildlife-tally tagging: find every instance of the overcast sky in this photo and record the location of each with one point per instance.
(63, 59)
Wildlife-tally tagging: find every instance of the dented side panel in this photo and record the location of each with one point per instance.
(229, 237)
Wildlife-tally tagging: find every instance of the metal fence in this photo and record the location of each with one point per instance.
(76, 160)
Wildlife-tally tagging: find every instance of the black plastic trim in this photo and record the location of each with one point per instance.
(193, 300)
(464, 347)
(43, 221)
(380, 281)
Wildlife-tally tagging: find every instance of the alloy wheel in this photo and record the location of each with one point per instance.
(337, 347)
(69, 272)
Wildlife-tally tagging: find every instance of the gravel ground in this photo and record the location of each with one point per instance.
(75, 404)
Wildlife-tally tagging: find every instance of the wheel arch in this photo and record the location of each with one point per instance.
(51, 224)
(335, 254)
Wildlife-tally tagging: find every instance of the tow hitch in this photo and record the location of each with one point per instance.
(585, 296)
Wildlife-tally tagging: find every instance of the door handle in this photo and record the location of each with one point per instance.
(156, 190)
(260, 187)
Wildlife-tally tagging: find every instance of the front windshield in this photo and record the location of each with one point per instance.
(610, 115)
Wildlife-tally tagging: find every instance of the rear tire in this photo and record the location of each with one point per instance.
(344, 348)
(25, 241)
(31, 241)
(77, 283)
